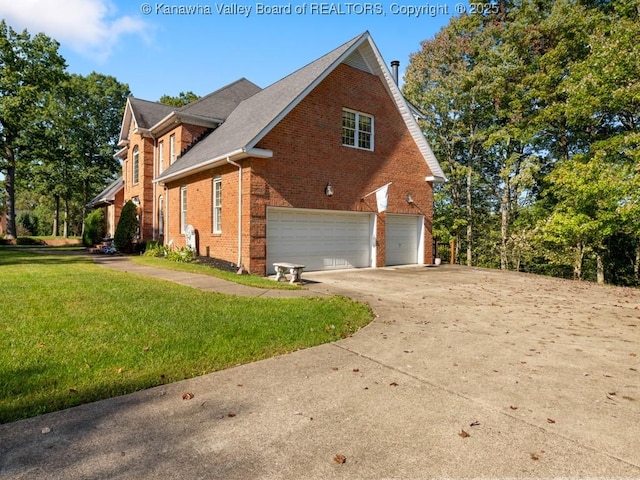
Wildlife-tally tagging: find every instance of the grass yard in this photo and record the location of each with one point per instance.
(248, 280)
(72, 332)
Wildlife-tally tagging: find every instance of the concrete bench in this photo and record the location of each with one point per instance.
(294, 269)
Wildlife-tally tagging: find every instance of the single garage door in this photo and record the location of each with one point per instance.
(319, 239)
(402, 239)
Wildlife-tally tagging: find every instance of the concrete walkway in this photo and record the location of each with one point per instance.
(203, 282)
(465, 373)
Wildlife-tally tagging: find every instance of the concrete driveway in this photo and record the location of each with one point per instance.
(465, 373)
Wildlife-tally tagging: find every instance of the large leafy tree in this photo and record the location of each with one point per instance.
(182, 99)
(30, 67)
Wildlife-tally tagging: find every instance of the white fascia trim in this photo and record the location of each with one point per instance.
(174, 118)
(119, 153)
(436, 179)
(235, 155)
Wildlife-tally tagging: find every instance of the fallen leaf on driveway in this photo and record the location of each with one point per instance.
(550, 420)
(534, 456)
(512, 407)
(393, 384)
(464, 434)
(187, 396)
(474, 424)
(340, 459)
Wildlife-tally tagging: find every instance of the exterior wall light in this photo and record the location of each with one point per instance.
(328, 190)
(409, 198)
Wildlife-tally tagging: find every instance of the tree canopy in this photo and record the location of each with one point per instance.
(533, 111)
(58, 132)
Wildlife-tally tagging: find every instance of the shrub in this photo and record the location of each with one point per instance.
(127, 228)
(155, 249)
(27, 224)
(95, 228)
(181, 255)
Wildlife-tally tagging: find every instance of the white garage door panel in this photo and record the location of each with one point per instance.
(403, 239)
(319, 240)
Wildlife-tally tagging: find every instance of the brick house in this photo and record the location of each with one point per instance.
(291, 172)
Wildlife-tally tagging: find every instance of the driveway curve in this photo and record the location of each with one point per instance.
(464, 373)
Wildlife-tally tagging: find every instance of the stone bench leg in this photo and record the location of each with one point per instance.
(296, 275)
(280, 273)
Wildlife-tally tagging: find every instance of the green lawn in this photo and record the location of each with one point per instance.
(249, 280)
(72, 332)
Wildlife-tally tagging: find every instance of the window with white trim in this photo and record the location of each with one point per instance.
(160, 215)
(183, 208)
(217, 204)
(172, 149)
(136, 165)
(160, 157)
(357, 129)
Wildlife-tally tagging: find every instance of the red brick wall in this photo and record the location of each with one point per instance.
(308, 154)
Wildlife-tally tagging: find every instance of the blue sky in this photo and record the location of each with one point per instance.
(158, 48)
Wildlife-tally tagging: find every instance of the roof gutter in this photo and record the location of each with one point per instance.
(235, 155)
(435, 179)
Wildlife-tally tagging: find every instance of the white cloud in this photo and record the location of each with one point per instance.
(89, 27)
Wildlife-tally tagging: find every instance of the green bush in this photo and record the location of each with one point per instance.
(95, 228)
(155, 249)
(27, 224)
(181, 255)
(127, 228)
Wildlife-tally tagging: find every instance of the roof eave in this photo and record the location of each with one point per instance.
(234, 155)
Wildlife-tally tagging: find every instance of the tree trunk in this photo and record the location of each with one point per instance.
(504, 230)
(636, 265)
(599, 268)
(577, 265)
(65, 229)
(10, 187)
(469, 217)
(56, 216)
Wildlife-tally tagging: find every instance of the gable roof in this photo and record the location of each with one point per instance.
(108, 195)
(220, 104)
(237, 137)
(210, 110)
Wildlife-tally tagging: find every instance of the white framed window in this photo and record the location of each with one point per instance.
(183, 208)
(160, 157)
(357, 129)
(136, 165)
(172, 149)
(217, 204)
(160, 215)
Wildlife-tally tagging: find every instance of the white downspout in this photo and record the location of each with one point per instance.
(240, 267)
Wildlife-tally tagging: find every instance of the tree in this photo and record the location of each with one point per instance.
(29, 68)
(184, 98)
(127, 228)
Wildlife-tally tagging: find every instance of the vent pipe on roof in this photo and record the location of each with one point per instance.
(394, 70)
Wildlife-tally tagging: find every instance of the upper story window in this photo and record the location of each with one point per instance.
(172, 149)
(217, 204)
(160, 157)
(136, 165)
(357, 129)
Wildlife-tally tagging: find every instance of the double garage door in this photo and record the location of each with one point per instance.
(324, 240)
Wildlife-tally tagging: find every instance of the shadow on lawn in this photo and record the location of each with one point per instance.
(43, 256)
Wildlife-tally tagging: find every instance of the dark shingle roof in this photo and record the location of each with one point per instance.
(220, 104)
(147, 113)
